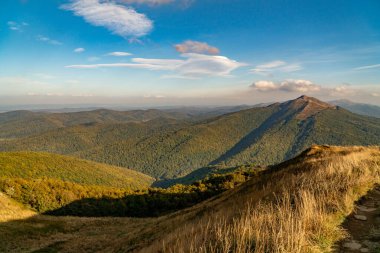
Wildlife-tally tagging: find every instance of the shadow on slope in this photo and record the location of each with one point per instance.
(205, 172)
(301, 109)
(152, 204)
(154, 201)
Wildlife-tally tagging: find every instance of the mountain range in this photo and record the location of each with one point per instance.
(168, 145)
(359, 108)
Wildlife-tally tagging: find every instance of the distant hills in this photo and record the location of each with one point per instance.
(359, 108)
(172, 144)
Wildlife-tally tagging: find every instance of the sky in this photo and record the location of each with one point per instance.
(188, 52)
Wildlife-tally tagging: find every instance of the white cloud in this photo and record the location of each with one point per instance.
(16, 26)
(290, 85)
(299, 86)
(120, 20)
(264, 85)
(49, 40)
(341, 91)
(79, 50)
(194, 65)
(191, 46)
(368, 67)
(119, 54)
(268, 68)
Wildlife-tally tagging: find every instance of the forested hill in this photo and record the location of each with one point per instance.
(33, 165)
(167, 148)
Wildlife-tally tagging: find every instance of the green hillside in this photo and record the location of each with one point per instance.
(32, 165)
(293, 131)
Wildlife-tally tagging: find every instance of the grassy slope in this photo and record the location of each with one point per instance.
(314, 192)
(11, 210)
(32, 165)
(297, 206)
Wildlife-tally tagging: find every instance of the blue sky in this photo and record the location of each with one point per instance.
(188, 52)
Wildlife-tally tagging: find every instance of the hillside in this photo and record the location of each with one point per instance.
(296, 206)
(167, 148)
(32, 165)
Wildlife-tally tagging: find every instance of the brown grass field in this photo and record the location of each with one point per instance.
(296, 206)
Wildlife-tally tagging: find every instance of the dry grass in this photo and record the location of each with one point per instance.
(308, 202)
(11, 210)
(296, 206)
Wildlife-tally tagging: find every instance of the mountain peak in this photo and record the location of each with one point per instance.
(308, 106)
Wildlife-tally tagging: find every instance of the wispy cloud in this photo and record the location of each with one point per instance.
(368, 67)
(79, 50)
(119, 54)
(194, 65)
(16, 26)
(44, 76)
(120, 20)
(93, 58)
(191, 46)
(49, 40)
(267, 69)
(72, 81)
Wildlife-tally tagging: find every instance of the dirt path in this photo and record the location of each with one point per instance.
(363, 225)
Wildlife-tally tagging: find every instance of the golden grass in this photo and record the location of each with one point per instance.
(12, 210)
(307, 203)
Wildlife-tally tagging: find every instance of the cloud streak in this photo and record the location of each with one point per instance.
(49, 40)
(368, 67)
(120, 20)
(193, 66)
(119, 54)
(79, 50)
(267, 69)
(12, 25)
(191, 46)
